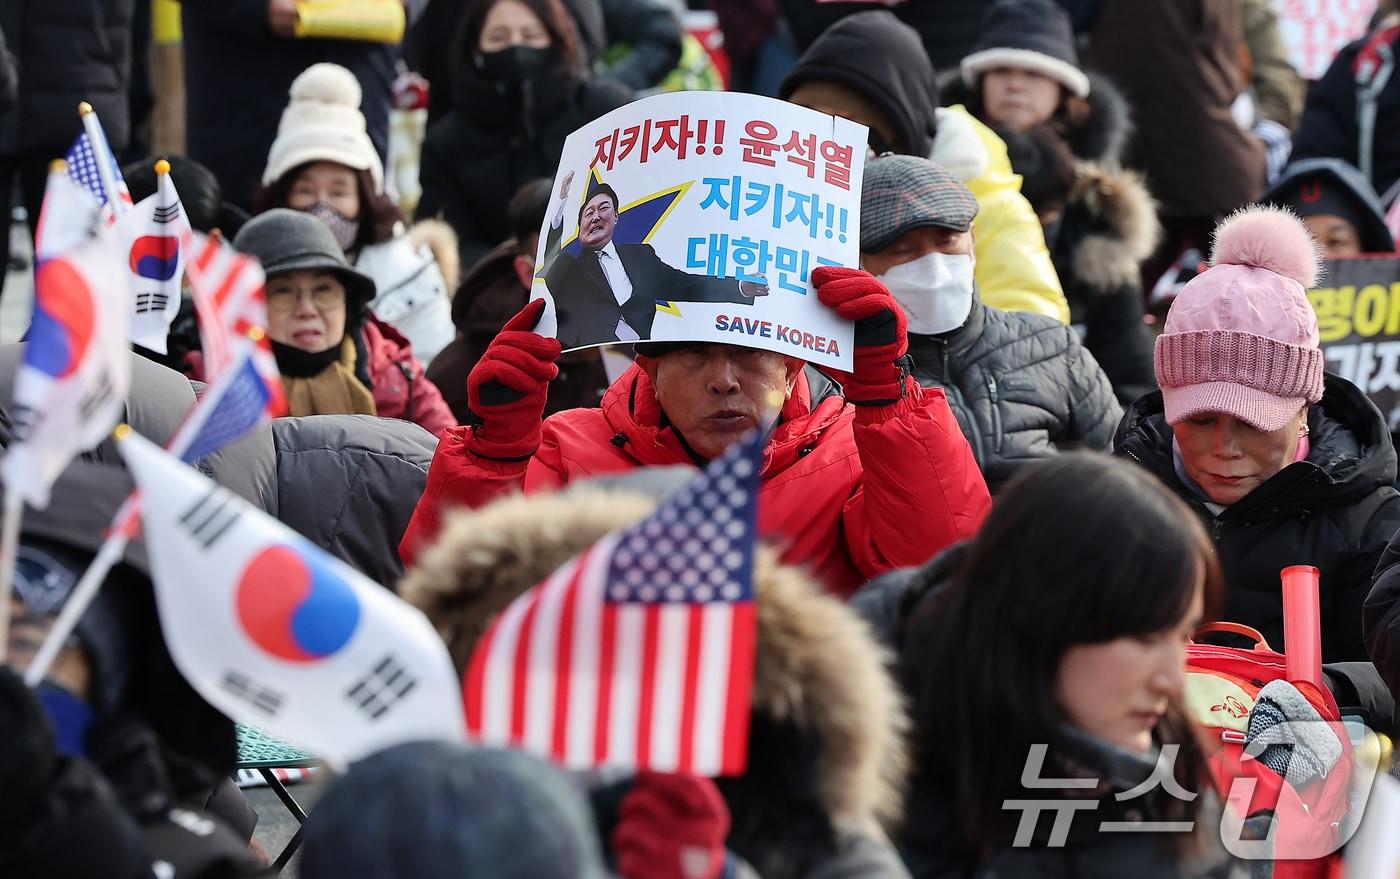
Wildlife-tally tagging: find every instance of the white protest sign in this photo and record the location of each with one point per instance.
(1313, 30)
(699, 216)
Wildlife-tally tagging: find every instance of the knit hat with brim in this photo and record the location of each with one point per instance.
(1242, 338)
(284, 240)
(323, 123)
(1031, 35)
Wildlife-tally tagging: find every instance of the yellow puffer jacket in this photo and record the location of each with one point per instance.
(1014, 271)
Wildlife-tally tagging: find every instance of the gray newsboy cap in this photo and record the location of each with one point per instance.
(284, 240)
(901, 193)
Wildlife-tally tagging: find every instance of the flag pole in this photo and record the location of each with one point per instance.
(113, 546)
(102, 151)
(9, 551)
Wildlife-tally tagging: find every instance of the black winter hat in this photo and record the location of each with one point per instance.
(881, 58)
(284, 240)
(1030, 35)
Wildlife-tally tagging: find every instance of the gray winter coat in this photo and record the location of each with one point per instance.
(1021, 385)
(347, 483)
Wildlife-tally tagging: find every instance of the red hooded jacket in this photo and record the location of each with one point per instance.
(848, 491)
(397, 380)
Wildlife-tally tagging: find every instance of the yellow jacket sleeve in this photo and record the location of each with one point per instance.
(1014, 271)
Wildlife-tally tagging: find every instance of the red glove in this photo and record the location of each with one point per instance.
(671, 827)
(882, 338)
(507, 388)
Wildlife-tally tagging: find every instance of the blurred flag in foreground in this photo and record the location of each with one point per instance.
(70, 388)
(228, 298)
(278, 634)
(92, 164)
(638, 653)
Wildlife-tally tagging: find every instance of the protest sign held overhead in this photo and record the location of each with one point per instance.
(278, 634)
(699, 216)
(1358, 320)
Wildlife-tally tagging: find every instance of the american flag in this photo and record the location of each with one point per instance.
(639, 653)
(230, 409)
(228, 298)
(82, 161)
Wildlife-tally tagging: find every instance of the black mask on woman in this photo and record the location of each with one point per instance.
(514, 65)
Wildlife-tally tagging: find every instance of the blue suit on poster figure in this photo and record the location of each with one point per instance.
(608, 293)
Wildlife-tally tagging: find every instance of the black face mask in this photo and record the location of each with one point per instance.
(514, 65)
(878, 145)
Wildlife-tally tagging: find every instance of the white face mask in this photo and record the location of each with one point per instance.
(935, 291)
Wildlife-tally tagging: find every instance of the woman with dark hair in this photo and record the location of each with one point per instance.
(1054, 647)
(520, 88)
(324, 164)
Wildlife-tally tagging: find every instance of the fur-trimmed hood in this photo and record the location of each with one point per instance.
(819, 668)
(1108, 228)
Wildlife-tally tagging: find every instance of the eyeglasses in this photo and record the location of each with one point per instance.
(284, 300)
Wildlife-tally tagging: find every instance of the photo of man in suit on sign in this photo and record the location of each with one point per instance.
(609, 291)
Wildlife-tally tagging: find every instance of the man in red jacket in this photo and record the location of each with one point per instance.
(853, 486)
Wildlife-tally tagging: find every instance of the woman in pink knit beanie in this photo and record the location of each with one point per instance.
(1286, 465)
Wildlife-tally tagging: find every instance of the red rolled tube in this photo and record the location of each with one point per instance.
(1302, 624)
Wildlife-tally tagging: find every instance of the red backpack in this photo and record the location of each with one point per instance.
(1222, 685)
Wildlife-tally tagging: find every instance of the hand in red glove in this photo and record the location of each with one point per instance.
(882, 337)
(671, 827)
(507, 388)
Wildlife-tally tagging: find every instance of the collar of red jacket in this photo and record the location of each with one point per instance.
(631, 409)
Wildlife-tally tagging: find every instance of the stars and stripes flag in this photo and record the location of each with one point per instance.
(243, 398)
(279, 634)
(93, 165)
(70, 387)
(228, 298)
(639, 653)
(154, 232)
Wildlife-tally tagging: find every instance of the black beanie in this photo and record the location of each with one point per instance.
(1030, 35)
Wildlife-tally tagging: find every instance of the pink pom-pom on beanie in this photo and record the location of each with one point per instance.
(1241, 338)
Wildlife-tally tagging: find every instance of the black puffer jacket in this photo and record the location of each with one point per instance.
(495, 140)
(9, 78)
(66, 51)
(1336, 511)
(898, 79)
(1333, 125)
(1021, 386)
(347, 483)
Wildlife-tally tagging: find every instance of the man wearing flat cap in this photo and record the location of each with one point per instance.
(1021, 385)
